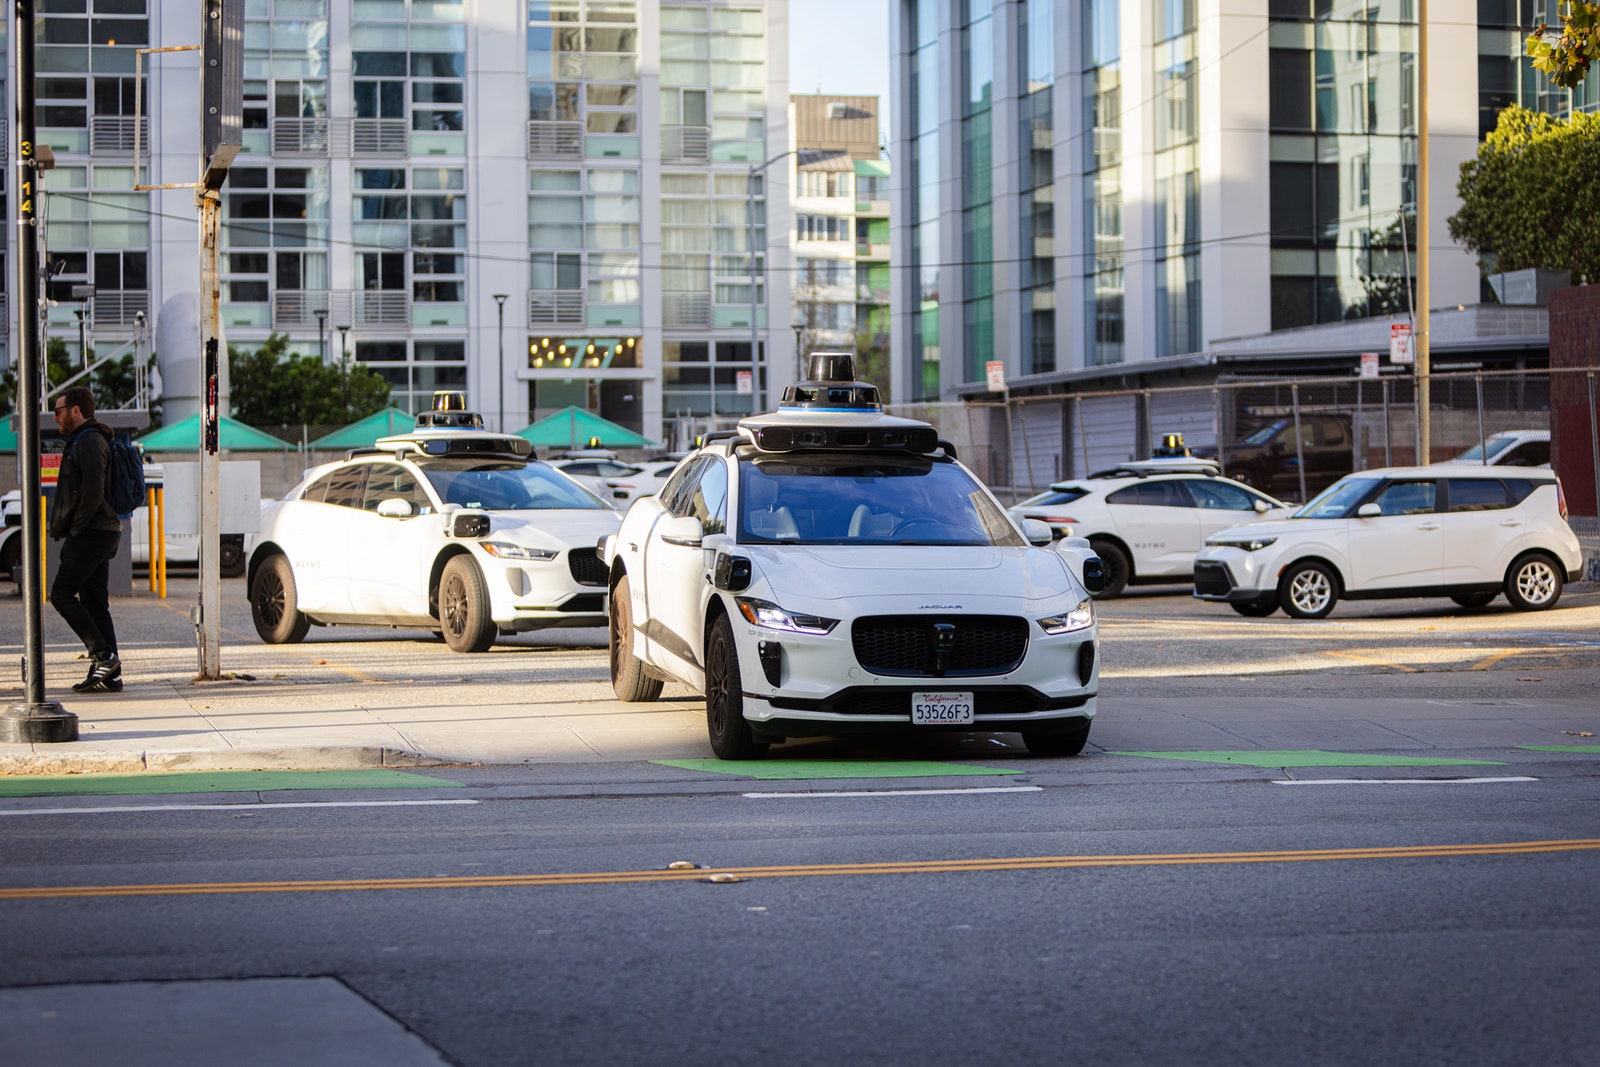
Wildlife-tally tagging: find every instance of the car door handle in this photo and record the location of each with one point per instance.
(1427, 526)
(1510, 522)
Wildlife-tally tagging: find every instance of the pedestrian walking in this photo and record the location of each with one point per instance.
(86, 525)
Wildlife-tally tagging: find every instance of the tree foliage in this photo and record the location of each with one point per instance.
(272, 386)
(1567, 56)
(1531, 198)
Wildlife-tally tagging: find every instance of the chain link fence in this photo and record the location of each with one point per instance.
(1293, 437)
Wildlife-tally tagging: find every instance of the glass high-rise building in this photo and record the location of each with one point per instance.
(408, 164)
(1096, 187)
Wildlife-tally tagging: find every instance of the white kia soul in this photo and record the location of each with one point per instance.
(1466, 532)
(829, 569)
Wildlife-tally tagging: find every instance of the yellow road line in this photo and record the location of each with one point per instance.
(1489, 661)
(1016, 863)
(1369, 659)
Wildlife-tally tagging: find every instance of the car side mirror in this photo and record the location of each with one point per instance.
(394, 508)
(1037, 533)
(684, 530)
(1261, 506)
(1368, 511)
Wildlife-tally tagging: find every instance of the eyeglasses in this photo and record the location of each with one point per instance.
(60, 409)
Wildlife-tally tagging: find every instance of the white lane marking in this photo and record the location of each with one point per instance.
(232, 807)
(1398, 781)
(898, 792)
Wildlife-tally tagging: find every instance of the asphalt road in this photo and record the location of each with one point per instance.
(1163, 954)
(1147, 916)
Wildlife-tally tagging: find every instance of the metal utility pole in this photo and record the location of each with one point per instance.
(500, 392)
(34, 719)
(1424, 241)
(322, 335)
(221, 136)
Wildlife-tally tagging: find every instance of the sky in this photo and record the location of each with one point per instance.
(840, 47)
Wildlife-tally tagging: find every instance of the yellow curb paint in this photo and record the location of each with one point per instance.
(1370, 660)
(1016, 863)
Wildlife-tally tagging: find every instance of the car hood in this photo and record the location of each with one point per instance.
(1285, 527)
(950, 576)
(572, 529)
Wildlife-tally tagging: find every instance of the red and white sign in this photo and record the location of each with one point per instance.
(996, 372)
(744, 382)
(1400, 350)
(49, 467)
(1369, 364)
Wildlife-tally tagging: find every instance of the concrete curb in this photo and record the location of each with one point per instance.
(319, 758)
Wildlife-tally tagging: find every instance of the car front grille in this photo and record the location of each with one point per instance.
(586, 567)
(1212, 579)
(939, 646)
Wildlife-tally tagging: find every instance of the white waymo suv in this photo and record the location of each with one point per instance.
(447, 528)
(828, 569)
(1146, 519)
(1466, 532)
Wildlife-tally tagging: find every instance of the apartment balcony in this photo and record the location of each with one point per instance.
(119, 307)
(379, 137)
(555, 306)
(682, 144)
(872, 207)
(113, 135)
(305, 137)
(345, 307)
(555, 140)
(685, 309)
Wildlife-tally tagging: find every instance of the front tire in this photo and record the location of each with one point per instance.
(464, 607)
(628, 679)
(1534, 583)
(1474, 600)
(1308, 591)
(1047, 744)
(1114, 562)
(1259, 608)
(273, 604)
(731, 738)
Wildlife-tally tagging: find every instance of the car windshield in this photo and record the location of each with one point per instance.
(867, 500)
(1336, 501)
(1265, 434)
(1474, 454)
(1055, 496)
(499, 485)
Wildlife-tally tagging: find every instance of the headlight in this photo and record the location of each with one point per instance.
(1078, 618)
(506, 550)
(1249, 544)
(765, 613)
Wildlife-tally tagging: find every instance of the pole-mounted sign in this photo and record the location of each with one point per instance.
(221, 88)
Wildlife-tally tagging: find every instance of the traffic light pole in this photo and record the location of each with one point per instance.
(35, 719)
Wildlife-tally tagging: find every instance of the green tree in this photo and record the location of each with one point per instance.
(1531, 198)
(1567, 56)
(271, 386)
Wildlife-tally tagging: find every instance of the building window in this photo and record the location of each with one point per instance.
(415, 369)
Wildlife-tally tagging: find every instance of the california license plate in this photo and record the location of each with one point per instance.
(941, 709)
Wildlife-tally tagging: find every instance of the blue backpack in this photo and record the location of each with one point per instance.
(125, 483)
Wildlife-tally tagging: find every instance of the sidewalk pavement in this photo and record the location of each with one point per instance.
(245, 725)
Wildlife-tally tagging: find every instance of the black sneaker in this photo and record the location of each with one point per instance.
(105, 676)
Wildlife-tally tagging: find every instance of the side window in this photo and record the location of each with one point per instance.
(675, 494)
(1220, 495)
(1475, 494)
(1519, 489)
(1406, 498)
(709, 501)
(341, 487)
(1165, 494)
(390, 481)
(1332, 433)
(1528, 454)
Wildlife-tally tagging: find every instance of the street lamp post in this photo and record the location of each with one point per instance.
(500, 391)
(799, 329)
(322, 334)
(344, 348)
(750, 220)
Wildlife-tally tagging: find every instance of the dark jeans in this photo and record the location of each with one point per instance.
(79, 592)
